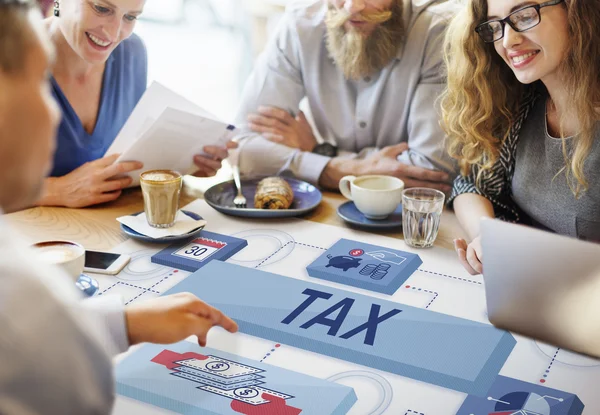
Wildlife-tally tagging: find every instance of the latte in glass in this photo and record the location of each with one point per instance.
(161, 189)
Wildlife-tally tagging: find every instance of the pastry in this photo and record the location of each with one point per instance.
(273, 193)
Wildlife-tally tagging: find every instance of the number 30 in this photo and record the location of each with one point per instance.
(196, 251)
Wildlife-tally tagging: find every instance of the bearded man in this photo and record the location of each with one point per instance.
(371, 71)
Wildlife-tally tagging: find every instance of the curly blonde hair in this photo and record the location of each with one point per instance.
(483, 95)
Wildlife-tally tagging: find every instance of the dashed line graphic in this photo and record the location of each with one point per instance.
(544, 378)
(450, 276)
(435, 295)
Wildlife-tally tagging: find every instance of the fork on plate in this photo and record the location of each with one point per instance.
(239, 201)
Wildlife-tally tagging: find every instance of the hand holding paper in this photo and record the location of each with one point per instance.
(166, 131)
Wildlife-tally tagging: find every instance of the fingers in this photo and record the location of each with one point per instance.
(474, 261)
(106, 197)
(276, 138)
(277, 113)
(215, 316)
(301, 118)
(204, 163)
(461, 250)
(261, 129)
(112, 185)
(106, 161)
(200, 329)
(202, 325)
(263, 121)
(460, 243)
(205, 173)
(395, 150)
(232, 145)
(218, 153)
(120, 168)
(468, 257)
(220, 319)
(422, 174)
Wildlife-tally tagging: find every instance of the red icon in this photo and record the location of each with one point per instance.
(357, 252)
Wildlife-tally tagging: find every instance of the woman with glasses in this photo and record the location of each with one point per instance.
(99, 75)
(521, 111)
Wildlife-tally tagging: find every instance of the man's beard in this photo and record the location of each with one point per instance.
(357, 54)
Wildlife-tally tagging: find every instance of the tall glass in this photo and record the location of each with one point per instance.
(161, 189)
(421, 212)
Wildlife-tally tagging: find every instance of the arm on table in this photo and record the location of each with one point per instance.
(470, 209)
(92, 183)
(472, 202)
(384, 162)
(275, 82)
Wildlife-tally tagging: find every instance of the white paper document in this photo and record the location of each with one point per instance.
(165, 131)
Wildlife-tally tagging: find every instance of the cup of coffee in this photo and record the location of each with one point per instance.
(161, 189)
(375, 196)
(69, 256)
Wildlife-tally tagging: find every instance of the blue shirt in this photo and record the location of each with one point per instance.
(124, 83)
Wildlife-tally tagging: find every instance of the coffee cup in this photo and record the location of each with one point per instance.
(161, 189)
(69, 256)
(375, 196)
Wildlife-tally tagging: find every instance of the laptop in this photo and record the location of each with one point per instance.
(542, 285)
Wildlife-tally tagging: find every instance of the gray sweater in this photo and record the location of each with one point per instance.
(544, 196)
(522, 185)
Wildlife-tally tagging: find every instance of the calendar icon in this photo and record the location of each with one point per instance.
(200, 249)
(193, 255)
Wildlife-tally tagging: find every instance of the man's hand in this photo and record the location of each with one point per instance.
(211, 162)
(470, 255)
(173, 318)
(92, 183)
(385, 162)
(281, 127)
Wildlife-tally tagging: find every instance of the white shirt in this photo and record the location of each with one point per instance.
(396, 105)
(55, 347)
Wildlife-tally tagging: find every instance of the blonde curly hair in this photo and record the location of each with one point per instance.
(482, 96)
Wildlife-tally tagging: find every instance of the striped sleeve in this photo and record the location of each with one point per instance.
(495, 184)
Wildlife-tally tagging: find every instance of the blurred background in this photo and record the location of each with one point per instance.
(205, 49)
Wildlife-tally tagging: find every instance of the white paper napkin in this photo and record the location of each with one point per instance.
(183, 224)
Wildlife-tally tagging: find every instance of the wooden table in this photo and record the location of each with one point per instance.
(96, 227)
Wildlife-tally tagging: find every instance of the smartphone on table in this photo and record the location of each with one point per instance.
(105, 262)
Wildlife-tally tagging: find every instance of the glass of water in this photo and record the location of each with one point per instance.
(421, 212)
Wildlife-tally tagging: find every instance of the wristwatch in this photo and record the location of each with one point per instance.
(326, 149)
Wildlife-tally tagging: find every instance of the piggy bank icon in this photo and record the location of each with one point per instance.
(343, 262)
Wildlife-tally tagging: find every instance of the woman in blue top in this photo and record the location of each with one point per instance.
(99, 76)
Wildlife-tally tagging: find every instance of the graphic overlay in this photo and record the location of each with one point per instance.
(140, 279)
(440, 284)
(194, 254)
(447, 351)
(366, 266)
(200, 249)
(265, 247)
(184, 381)
(514, 397)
